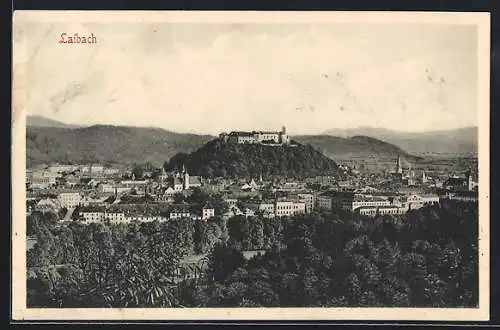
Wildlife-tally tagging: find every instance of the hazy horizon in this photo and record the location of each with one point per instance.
(209, 78)
(79, 125)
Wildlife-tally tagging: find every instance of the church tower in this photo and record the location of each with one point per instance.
(470, 183)
(186, 177)
(399, 169)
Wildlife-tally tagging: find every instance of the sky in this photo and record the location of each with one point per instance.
(210, 77)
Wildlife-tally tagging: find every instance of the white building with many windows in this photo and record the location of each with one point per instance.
(69, 199)
(308, 199)
(207, 212)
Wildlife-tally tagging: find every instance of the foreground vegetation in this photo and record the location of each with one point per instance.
(426, 258)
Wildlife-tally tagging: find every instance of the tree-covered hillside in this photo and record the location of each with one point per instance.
(217, 158)
(107, 144)
(355, 147)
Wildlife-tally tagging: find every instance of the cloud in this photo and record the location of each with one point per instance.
(249, 78)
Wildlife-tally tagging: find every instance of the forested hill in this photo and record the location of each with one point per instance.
(217, 158)
(49, 141)
(356, 147)
(108, 144)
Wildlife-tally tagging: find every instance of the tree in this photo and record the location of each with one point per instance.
(256, 233)
(138, 172)
(223, 261)
(352, 288)
(386, 257)
(412, 266)
(200, 236)
(239, 231)
(178, 198)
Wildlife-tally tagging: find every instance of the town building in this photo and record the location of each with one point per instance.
(231, 202)
(139, 186)
(143, 217)
(47, 204)
(111, 171)
(115, 216)
(349, 200)
(183, 181)
(41, 179)
(207, 212)
(308, 199)
(62, 168)
(463, 196)
(69, 199)
(93, 214)
(289, 208)
(257, 137)
(416, 201)
(373, 211)
(180, 213)
(279, 207)
(462, 183)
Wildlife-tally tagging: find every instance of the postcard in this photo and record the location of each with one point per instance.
(174, 165)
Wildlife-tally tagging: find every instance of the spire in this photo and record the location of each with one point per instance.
(398, 165)
(183, 169)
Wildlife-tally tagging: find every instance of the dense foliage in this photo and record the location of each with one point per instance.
(217, 158)
(428, 257)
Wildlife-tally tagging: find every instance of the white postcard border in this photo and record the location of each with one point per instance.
(19, 310)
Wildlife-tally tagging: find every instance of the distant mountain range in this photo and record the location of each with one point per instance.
(40, 121)
(454, 141)
(53, 141)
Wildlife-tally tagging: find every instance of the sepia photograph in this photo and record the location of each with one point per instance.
(251, 165)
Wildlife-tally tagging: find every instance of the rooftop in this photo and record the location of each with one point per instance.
(385, 207)
(93, 209)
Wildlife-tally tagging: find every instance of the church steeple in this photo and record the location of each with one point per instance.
(399, 169)
(424, 177)
(185, 175)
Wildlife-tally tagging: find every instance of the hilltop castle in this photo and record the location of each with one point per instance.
(257, 137)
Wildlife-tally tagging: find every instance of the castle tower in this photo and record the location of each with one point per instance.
(283, 136)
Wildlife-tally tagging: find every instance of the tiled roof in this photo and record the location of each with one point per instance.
(180, 210)
(194, 180)
(241, 134)
(92, 209)
(455, 181)
(385, 207)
